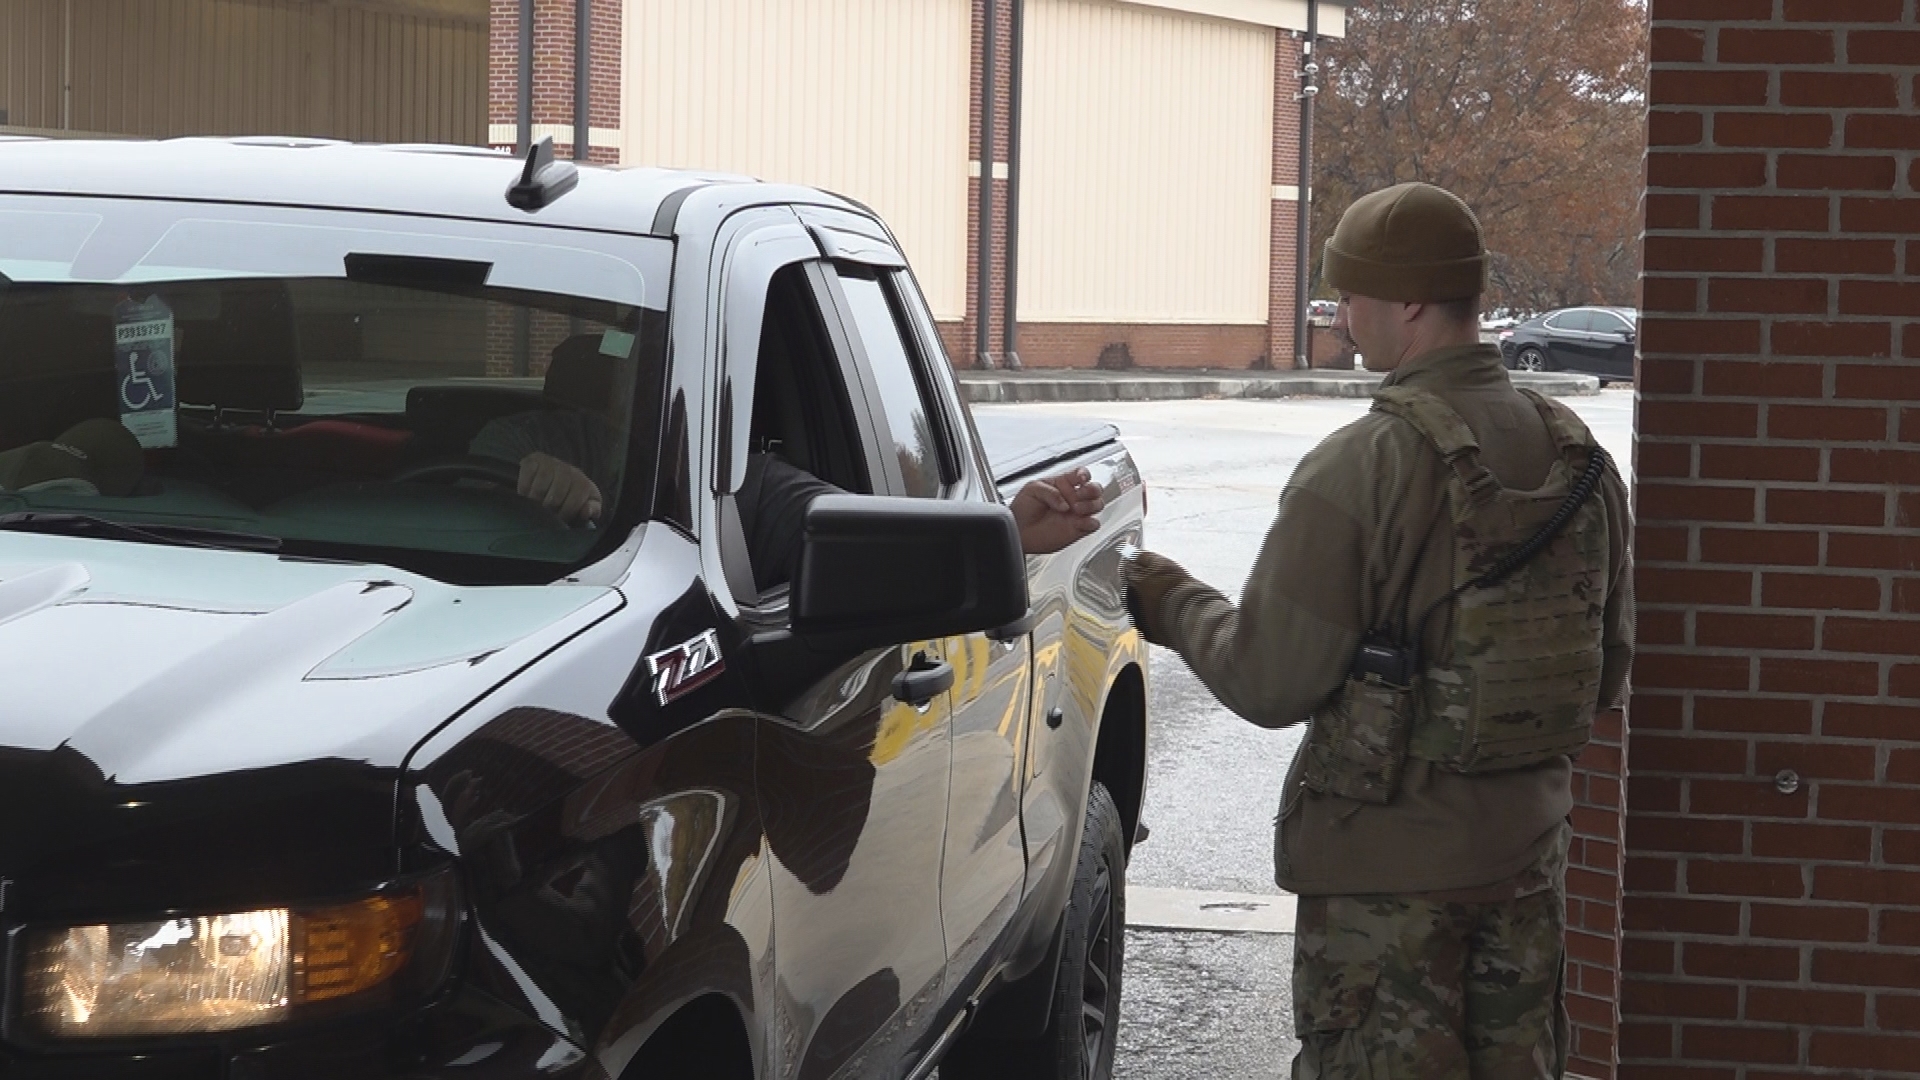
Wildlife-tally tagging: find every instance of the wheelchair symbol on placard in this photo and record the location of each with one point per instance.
(137, 379)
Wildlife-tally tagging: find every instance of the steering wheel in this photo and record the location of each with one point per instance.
(485, 469)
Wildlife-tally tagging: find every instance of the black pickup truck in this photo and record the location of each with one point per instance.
(404, 673)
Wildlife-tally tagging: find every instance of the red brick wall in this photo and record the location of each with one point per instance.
(1774, 930)
(965, 350)
(503, 46)
(1153, 346)
(1150, 345)
(603, 75)
(1283, 299)
(553, 70)
(955, 337)
(1593, 900)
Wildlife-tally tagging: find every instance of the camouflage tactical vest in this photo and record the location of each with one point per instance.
(1522, 676)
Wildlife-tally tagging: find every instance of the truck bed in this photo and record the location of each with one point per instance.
(1022, 446)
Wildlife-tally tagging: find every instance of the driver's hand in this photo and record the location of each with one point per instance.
(1054, 512)
(559, 487)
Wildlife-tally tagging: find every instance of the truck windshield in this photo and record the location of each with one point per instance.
(471, 400)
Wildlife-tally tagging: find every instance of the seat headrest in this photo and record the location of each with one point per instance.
(579, 375)
(248, 358)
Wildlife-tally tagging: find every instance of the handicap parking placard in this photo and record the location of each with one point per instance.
(143, 361)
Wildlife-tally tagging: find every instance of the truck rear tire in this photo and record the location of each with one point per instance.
(1083, 1021)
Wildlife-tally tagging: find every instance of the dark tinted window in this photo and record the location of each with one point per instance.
(1607, 322)
(1571, 320)
(801, 411)
(902, 395)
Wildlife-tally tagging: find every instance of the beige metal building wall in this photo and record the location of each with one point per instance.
(30, 65)
(405, 77)
(1146, 159)
(401, 71)
(868, 98)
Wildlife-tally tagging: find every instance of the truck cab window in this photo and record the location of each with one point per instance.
(803, 441)
(801, 410)
(900, 383)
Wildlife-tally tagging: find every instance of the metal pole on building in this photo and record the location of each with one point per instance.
(1303, 258)
(523, 139)
(523, 143)
(983, 258)
(1010, 332)
(582, 82)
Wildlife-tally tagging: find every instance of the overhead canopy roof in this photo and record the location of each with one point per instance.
(1282, 14)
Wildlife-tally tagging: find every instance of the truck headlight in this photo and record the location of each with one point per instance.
(204, 973)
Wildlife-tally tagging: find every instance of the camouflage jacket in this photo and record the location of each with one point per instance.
(1362, 537)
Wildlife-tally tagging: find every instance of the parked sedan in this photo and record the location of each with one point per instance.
(1591, 340)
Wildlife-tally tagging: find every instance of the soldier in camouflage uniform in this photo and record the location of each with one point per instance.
(1449, 671)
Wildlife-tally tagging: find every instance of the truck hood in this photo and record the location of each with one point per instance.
(161, 664)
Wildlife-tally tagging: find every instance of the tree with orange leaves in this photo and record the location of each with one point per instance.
(1532, 111)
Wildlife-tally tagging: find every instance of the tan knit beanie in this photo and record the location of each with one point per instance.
(1412, 243)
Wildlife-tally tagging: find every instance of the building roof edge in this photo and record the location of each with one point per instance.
(1279, 14)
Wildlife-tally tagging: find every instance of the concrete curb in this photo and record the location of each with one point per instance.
(1004, 387)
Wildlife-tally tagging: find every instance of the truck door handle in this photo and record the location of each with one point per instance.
(922, 681)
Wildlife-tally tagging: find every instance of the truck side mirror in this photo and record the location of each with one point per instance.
(876, 570)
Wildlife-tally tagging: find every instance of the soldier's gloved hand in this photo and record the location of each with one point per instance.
(1149, 577)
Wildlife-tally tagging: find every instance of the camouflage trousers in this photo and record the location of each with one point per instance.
(1454, 986)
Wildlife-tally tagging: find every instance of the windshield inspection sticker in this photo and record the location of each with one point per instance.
(616, 343)
(143, 360)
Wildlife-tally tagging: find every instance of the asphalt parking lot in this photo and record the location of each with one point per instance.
(1206, 1003)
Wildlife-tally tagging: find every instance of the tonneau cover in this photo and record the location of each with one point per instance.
(1018, 445)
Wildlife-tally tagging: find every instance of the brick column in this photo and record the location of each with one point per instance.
(553, 76)
(1772, 905)
(1593, 900)
(962, 346)
(1282, 283)
(503, 51)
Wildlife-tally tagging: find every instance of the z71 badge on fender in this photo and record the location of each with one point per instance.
(686, 667)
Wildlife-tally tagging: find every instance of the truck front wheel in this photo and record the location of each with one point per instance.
(1083, 1025)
